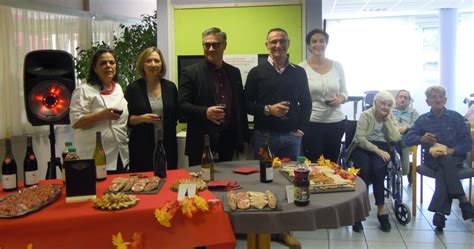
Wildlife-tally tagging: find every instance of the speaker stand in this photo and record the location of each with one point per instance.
(55, 161)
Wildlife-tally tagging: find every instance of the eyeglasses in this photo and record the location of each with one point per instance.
(283, 42)
(215, 45)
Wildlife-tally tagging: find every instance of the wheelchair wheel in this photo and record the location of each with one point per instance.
(402, 213)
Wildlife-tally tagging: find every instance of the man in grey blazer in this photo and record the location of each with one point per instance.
(210, 100)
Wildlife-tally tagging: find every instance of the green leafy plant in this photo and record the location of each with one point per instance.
(133, 40)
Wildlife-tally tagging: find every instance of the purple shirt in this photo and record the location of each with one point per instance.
(223, 92)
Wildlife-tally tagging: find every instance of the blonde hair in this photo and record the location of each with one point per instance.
(142, 58)
(383, 96)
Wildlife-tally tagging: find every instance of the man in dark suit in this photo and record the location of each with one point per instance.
(210, 98)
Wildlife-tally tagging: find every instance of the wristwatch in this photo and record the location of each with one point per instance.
(266, 110)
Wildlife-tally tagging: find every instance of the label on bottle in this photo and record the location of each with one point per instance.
(301, 194)
(269, 172)
(32, 157)
(9, 181)
(101, 171)
(206, 174)
(31, 177)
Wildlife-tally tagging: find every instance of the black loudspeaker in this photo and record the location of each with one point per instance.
(48, 86)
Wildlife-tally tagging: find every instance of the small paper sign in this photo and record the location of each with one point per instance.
(80, 180)
(184, 190)
(290, 193)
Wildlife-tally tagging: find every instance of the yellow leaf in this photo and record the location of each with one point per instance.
(188, 208)
(353, 171)
(163, 216)
(118, 241)
(29, 246)
(201, 203)
(276, 162)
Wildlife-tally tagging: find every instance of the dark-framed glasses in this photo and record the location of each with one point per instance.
(215, 45)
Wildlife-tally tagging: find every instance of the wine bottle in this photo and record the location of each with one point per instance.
(266, 162)
(207, 161)
(301, 182)
(30, 164)
(9, 169)
(99, 158)
(160, 165)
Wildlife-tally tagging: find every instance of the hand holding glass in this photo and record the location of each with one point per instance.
(286, 103)
(223, 107)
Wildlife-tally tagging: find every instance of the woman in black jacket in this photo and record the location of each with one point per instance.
(153, 110)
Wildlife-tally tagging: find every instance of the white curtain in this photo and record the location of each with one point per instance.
(24, 31)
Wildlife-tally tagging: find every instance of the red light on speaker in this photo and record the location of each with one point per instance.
(49, 100)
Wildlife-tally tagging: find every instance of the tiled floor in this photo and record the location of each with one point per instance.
(418, 234)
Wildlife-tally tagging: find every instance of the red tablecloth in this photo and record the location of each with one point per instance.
(80, 225)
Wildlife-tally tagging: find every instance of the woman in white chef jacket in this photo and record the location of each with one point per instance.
(99, 105)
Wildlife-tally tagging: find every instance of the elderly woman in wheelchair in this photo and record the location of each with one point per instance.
(370, 151)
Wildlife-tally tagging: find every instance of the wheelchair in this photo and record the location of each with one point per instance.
(394, 179)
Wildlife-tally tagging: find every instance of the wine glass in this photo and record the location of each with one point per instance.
(286, 103)
(328, 98)
(223, 107)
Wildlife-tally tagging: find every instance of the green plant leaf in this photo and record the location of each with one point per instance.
(132, 41)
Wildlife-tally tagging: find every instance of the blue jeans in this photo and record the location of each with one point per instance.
(282, 144)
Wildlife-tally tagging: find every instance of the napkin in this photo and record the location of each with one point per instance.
(245, 170)
(223, 185)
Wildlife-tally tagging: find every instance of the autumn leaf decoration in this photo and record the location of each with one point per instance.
(165, 214)
(120, 243)
(189, 207)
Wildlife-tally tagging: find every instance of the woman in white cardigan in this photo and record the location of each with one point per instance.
(328, 90)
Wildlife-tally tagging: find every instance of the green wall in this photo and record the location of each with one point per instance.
(246, 28)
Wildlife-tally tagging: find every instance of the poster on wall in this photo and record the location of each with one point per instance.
(244, 62)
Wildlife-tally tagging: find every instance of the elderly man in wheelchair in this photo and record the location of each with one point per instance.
(371, 150)
(405, 116)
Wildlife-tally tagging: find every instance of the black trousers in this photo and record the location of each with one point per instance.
(372, 169)
(448, 186)
(323, 139)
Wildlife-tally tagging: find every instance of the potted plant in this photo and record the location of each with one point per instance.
(134, 39)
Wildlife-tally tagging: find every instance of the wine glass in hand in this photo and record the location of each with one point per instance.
(223, 107)
(286, 103)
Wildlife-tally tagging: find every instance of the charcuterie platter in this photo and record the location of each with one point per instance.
(136, 184)
(250, 201)
(28, 200)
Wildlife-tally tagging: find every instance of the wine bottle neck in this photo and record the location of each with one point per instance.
(8, 148)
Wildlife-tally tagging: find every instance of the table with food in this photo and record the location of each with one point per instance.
(134, 210)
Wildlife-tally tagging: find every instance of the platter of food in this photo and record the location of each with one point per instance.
(28, 200)
(136, 184)
(200, 184)
(251, 201)
(324, 179)
(115, 201)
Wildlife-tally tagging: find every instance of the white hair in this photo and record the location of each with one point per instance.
(383, 96)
